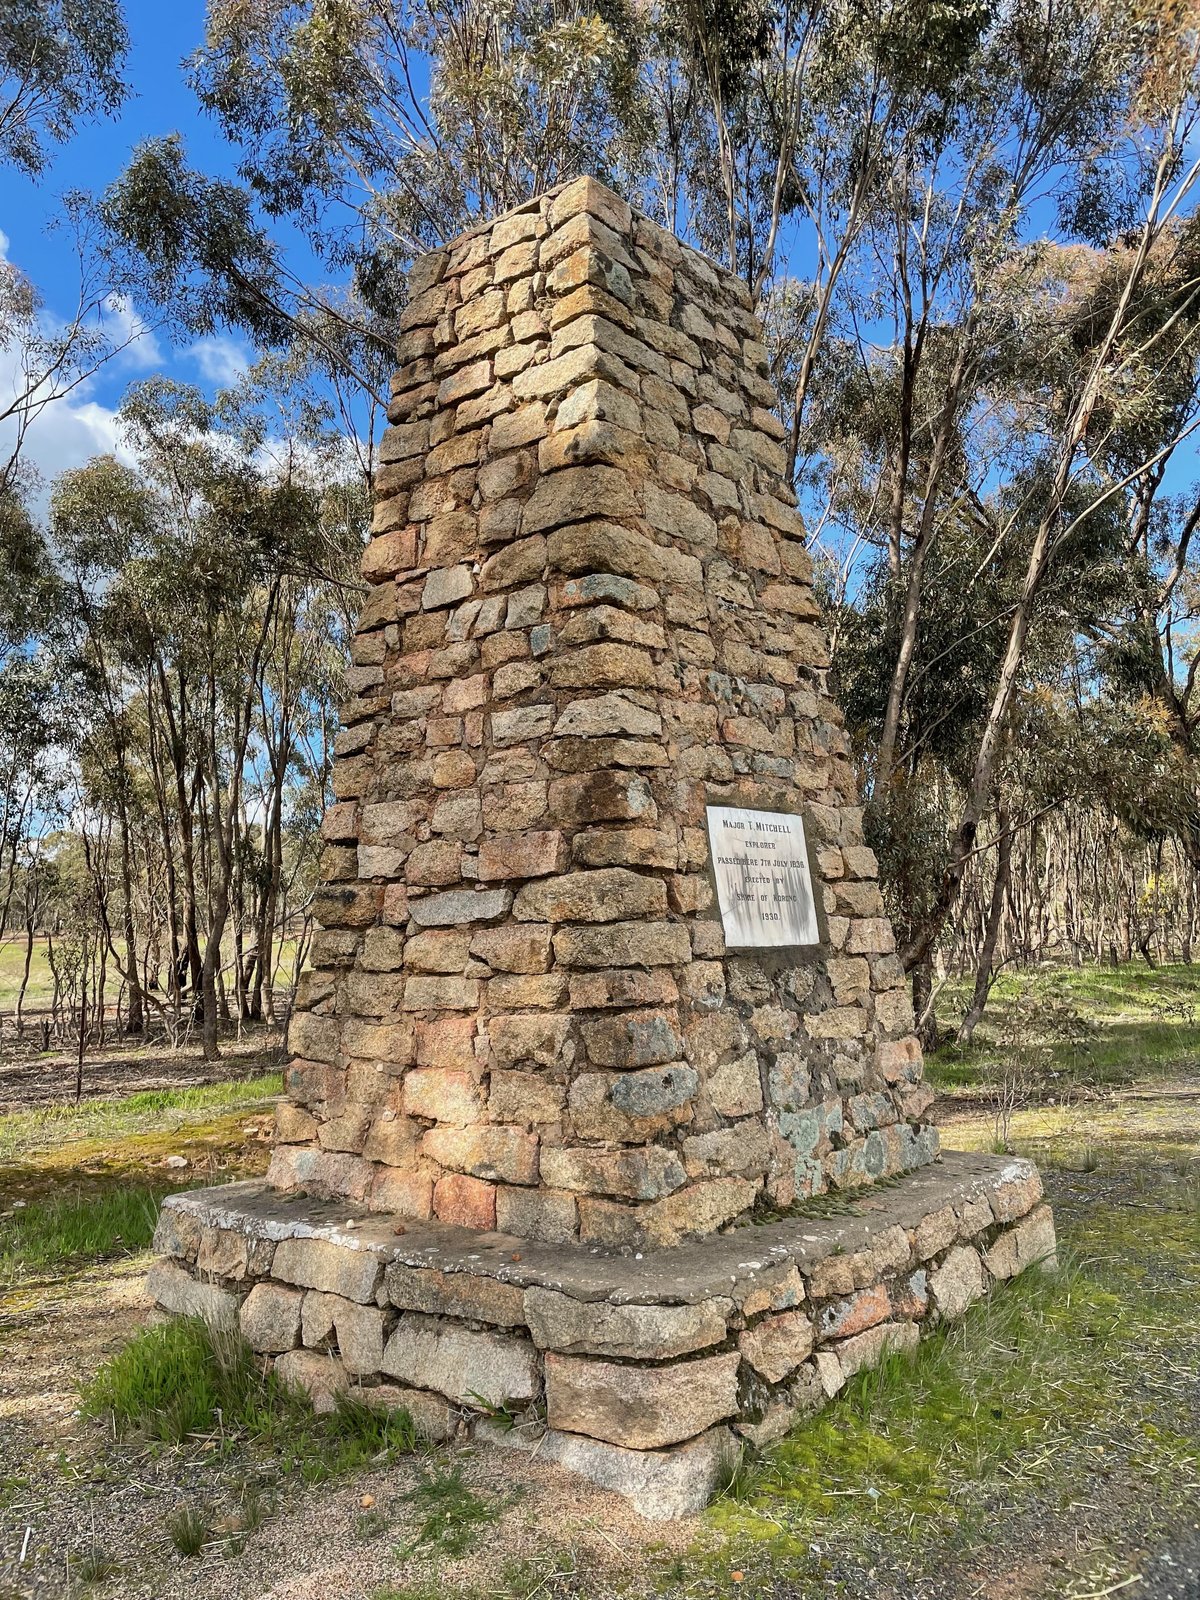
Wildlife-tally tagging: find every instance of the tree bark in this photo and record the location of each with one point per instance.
(987, 953)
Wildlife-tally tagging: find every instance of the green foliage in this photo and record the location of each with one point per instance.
(1073, 1029)
(190, 1529)
(60, 64)
(74, 1228)
(95, 1565)
(171, 1381)
(115, 1118)
(24, 568)
(454, 1516)
(198, 245)
(998, 1404)
(183, 1378)
(320, 99)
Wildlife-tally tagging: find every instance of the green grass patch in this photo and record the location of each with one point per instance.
(40, 990)
(189, 1529)
(1057, 1029)
(76, 1227)
(182, 1380)
(107, 1117)
(94, 1565)
(1039, 1383)
(431, 1590)
(103, 1145)
(964, 1408)
(453, 1516)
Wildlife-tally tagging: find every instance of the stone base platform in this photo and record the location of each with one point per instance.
(646, 1374)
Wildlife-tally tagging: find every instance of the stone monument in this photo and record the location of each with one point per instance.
(603, 992)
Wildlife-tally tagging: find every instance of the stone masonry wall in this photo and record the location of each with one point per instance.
(643, 1374)
(590, 615)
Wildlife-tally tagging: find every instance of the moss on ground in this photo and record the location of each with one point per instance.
(100, 1145)
(152, 1111)
(1041, 1386)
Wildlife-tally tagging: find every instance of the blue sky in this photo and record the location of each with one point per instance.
(163, 33)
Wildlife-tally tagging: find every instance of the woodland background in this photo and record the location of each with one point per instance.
(971, 229)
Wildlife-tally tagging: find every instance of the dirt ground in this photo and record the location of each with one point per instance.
(58, 1478)
(73, 1490)
(31, 1080)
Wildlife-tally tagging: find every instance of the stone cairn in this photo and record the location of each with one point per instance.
(590, 620)
(591, 616)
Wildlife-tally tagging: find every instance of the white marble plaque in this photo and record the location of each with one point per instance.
(764, 886)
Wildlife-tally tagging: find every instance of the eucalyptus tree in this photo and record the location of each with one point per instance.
(377, 128)
(778, 128)
(104, 519)
(61, 64)
(208, 594)
(1122, 351)
(1145, 652)
(974, 380)
(52, 353)
(24, 571)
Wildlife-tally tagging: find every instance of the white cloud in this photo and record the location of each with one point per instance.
(72, 426)
(138, 348)
(221, 360)
(66, 433)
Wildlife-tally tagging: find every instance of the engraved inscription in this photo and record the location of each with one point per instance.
(764, 887)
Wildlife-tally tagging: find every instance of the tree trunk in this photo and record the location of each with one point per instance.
(922, 989)
(24, 978)
(83, 1025)
(135, 1019)
(987, 953)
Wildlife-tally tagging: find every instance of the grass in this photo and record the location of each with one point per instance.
(95, 1565)
(40, 991)
(432, 1590)
(101, 1147)
(12, 965)
(453, 1516)
(145, 1112)
(72, 1228)
(1017, 1402)
(182, 1380)
(189, 1529)
(550, 1575)
(1074, 1027)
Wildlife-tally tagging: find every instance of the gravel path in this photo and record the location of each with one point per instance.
(1171, 1572)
